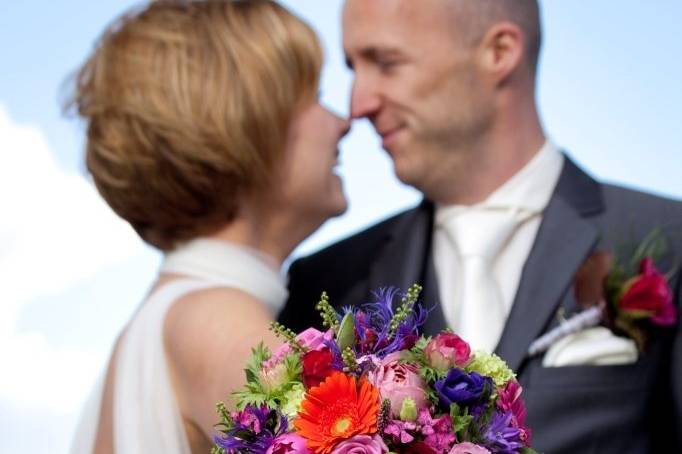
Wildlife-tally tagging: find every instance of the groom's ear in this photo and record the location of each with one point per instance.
(501, 52)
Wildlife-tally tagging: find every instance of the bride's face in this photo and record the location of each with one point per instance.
(309, 183)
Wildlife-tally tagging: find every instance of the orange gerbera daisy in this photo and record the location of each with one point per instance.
(337, 409)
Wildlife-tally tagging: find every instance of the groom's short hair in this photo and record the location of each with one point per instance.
(475, 17)
(188, 104)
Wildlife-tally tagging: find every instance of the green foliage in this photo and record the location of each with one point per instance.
(491, 365)
(288, 335)
(269, 387)
(421, 344)
(405, 308)
(384, 415)
(223, 426)
(349, 360)
(224, 417)
(346, 335)
(330, 318)
(461, 420)
(259, 355)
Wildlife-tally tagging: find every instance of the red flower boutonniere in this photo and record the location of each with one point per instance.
(629, 297)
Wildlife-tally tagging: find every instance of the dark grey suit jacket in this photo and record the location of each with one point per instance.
(620, 409)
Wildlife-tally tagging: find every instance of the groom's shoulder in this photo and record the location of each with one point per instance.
(354, 250)
(634, 214)
(627, 202)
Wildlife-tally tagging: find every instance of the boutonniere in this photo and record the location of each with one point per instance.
(631, 296)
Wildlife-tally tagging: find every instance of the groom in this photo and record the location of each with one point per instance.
(507, 220)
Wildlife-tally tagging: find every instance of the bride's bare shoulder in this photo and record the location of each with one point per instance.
(208, 337)
(216, 318)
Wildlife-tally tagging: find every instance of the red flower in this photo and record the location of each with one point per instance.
(649, 293)
(317, 366)
(418, 447)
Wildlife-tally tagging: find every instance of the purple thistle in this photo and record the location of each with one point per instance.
(501, 436)
(373, 325)
(254, 430)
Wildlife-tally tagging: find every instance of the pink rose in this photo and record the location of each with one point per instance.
(361, 444)
(649, 292)
(446, 351)
(289, 443)
(468, 448)
(310, 338)
(397, 381)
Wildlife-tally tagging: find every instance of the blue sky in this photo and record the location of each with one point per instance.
(609, 92)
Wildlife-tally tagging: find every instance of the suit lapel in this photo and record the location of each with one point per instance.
(405, 260)
(563, 242)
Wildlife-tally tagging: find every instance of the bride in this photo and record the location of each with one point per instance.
(204, 132)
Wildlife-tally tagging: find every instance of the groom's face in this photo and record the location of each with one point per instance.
(417, 81)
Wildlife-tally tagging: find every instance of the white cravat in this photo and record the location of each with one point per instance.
(523, 197)
(478, 235)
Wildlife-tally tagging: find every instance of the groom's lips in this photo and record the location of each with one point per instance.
(388, 136)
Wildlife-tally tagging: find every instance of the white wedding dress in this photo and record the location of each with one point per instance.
(145, 415)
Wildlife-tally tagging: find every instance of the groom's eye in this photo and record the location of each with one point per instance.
(387, 64)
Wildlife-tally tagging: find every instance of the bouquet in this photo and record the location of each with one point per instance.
(371, 384)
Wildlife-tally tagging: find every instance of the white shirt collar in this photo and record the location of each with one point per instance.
(528, 190)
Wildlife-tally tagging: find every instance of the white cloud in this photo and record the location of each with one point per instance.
(55, 232)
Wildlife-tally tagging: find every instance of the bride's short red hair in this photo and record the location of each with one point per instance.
(187, 105)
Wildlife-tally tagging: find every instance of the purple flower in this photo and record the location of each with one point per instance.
(253, 431)
(361, 444)
(501, 436)
(464, 389)
(468, 448)
(373, 321)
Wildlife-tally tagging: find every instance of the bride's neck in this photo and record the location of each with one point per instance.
(275, 236)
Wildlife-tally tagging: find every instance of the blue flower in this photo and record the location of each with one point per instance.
(463, 389)
(501, 436)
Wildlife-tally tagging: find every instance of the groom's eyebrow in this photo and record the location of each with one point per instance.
(373, 54)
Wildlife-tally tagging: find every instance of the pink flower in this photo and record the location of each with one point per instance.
(446, 351)
(468, 448)
(314, 339)
(509, 400)
(649, 292)
(361, 444)
(310, 338)
(397, 381)
(289, 443)
(438, 432)
(400, 431)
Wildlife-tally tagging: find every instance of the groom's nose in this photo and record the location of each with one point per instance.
(364, 99)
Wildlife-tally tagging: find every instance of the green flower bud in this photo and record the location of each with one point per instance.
(408, 411)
